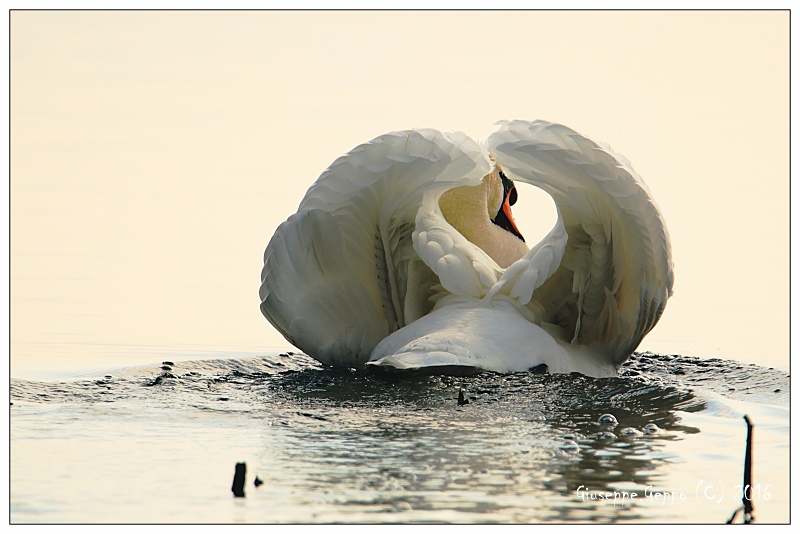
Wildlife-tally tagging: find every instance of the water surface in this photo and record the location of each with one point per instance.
(158, 444)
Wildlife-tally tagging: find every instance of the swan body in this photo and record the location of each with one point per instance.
(404, 254)
(489, 334)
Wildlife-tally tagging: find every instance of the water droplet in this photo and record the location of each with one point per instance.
(607, 419)
(651, 428)
(630, 431)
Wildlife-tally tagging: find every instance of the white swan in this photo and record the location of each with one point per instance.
(403, 254)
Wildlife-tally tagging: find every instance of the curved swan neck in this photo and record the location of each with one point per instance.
(469, 210)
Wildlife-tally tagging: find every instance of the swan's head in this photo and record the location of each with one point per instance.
(466, 205)
(482, 214)
(501, 194)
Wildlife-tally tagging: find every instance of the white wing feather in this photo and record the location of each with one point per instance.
(615, 274)
(525, 275)
(463, 268)
(342, 274)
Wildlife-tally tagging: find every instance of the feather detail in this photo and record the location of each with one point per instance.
(336, 274)
(616, 270)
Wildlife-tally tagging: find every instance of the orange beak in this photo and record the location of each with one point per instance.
(504, 218)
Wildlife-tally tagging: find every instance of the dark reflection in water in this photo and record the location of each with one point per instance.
(377, 448)
(522, 437)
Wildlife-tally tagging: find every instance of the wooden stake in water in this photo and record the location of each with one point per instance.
(747, 479)
(461, 399)
(238, 480)
(748, 474)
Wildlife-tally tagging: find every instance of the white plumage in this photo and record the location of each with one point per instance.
(370, 270)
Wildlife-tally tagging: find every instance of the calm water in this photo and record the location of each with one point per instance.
(159, 444)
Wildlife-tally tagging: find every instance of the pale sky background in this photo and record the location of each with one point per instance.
(153, 154)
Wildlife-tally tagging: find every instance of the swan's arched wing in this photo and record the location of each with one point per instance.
(615, 275)
(341, 274)
(307, 291)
